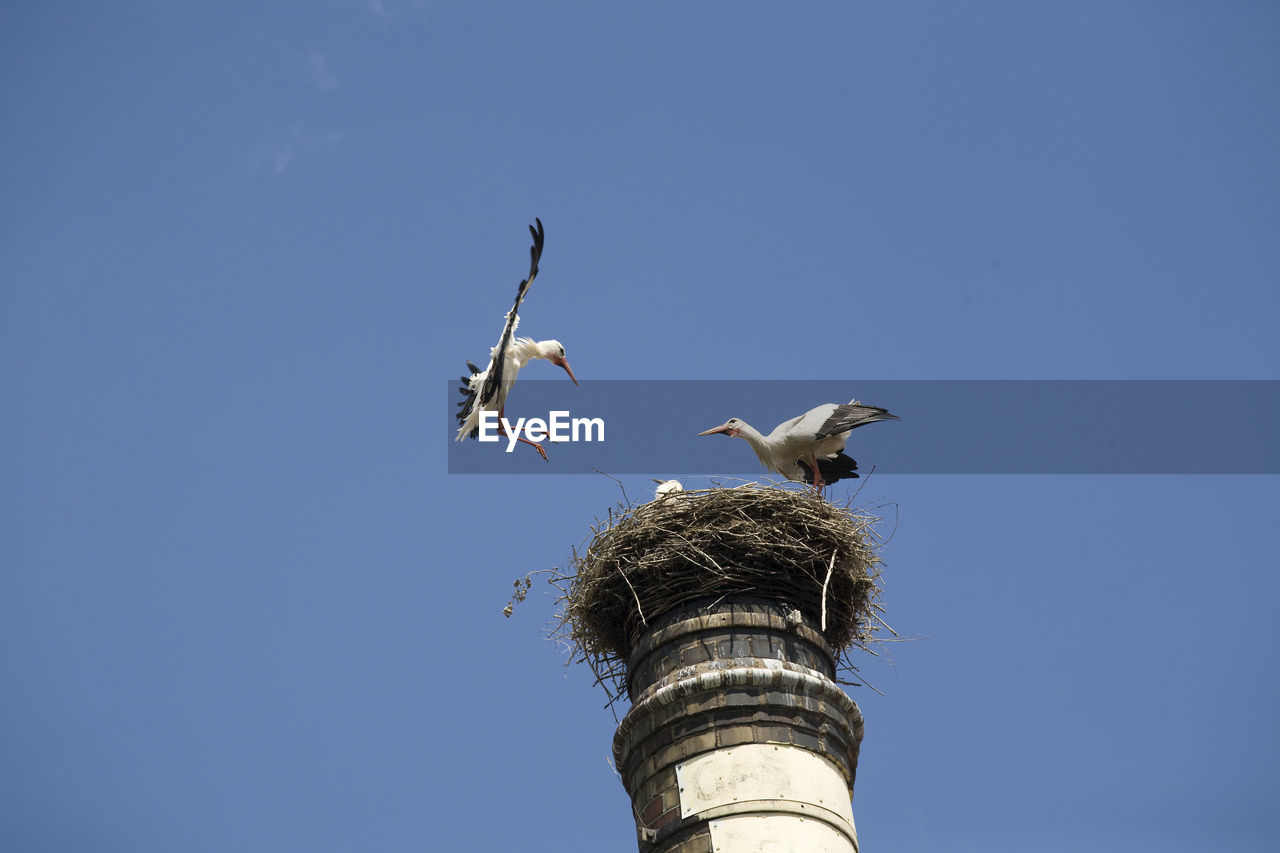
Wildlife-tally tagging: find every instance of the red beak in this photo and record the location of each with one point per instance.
(723, 428)
(567, 369)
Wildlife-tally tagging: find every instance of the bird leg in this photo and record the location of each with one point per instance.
(502, 413)
(817, 475)
(535, 446)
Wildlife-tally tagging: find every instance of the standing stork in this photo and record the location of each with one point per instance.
(809, 448)
(487, 390)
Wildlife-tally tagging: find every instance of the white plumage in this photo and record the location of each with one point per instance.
(666, 487)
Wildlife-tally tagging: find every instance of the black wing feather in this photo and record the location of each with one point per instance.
(493, 381)
(851, 416)
(840, 468)
(468, 400)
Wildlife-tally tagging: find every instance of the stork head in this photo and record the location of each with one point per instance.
(553, 351)
(731, 427)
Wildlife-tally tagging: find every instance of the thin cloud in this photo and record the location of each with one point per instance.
(387, 10)
(321, 76)
(298, 143)
(280, 160)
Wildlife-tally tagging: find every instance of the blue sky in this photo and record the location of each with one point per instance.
(243, 605)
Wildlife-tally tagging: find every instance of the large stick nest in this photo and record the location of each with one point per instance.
(705, 544)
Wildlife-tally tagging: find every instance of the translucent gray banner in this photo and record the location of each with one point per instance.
(946, 427)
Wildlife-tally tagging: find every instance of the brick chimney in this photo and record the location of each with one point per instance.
(738, 739)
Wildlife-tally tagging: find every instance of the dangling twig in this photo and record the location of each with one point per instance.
(830, 567)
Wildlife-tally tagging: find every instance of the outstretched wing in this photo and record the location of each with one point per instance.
(851, 416)
(497, 361)
(469, 392)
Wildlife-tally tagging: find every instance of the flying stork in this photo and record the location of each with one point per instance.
(809, 448)
(487, 390)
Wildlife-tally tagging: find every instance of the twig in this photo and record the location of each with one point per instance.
(830, 567)
(876, 617)
(639, 606)
(621, 487)
(858, 490)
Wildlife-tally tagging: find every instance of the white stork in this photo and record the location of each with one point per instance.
(808, 449)
(487, 390)
(666, 487)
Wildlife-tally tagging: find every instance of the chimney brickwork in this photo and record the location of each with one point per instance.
(738, 735)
